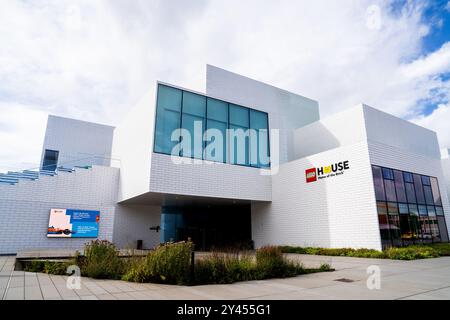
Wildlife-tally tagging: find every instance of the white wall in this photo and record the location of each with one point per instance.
(133, 146)
(286, 110)
(25, 207)
(210, 180)
(342, 129)
(334, 212)
(78, 142)
(389, 130)
(133, 222)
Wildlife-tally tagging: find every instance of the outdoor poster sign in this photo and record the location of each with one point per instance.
(73, 223)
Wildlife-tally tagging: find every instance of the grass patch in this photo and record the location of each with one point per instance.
(171, 263)
(269, 262)
(413, 252)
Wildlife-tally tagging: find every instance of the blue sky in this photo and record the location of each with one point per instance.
(93, 60)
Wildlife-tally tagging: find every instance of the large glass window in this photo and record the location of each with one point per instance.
(259, 140)
(168, 119)
(435, 190)
(409, 207)
(193, 121)
(399, 186)
(206, 123)
(378, 183)
(216, 122)
(50, 161)
(419, 189)
(238, 137)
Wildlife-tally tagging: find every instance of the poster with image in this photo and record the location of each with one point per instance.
(73, 223)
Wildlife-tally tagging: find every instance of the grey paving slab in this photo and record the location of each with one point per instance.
(33, 293)
(16, 293)
(49, 292)
(420, 279)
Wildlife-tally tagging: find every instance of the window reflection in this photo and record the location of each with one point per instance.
(409, 208)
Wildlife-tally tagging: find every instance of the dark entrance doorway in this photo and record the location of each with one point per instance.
(209, 226)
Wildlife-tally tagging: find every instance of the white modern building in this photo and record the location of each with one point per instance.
(244, 164)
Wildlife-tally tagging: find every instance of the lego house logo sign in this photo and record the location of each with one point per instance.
(336, 169)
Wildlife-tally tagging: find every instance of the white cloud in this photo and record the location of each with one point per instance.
(22, 131)
(94, 59)
(439, 121)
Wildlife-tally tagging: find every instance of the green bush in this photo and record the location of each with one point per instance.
(224, 268)
(48, 266)
(411, 253)
(168, 263)
(271, 263)
(442, 248)
(402, 253)
(101, 260)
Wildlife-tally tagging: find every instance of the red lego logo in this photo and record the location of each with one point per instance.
(311, 175)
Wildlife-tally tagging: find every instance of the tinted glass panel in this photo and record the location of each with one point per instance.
(169, 98)
(167, 121)
(435, 190)
(168, 118)
(194, 125)
(419, 190)
(410, 192)
(442, 228)
(194, 104)
(423, 211)
(399, 186)
(431, 211)
(392, 208)
(403, 208)
(378, 183)
(408, 177)
(425, 180)
(439, 211)
(388, 174)
(216, 150)
(383, 223)
(239, 145)
(239, 116)
(428, 195)
(390, 190)
(394, 227)
(217, 110)
(413, 209)
(259, 142)
(50, 160)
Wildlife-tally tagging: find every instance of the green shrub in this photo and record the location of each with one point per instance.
(223, 268)
(101, 260)
(403, 253)
(411, 253)
(442, 248)
(168, 263)
(49, 267)
(270, 262)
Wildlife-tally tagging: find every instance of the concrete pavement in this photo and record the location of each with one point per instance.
(419, 279)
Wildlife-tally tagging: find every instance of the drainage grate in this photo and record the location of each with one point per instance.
(344, 280)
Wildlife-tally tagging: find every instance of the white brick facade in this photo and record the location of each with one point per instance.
(78, 142)
(25, 207)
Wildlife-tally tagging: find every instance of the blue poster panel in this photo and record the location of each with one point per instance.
(73, 223)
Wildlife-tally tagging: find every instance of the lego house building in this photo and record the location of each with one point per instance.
(245, 164)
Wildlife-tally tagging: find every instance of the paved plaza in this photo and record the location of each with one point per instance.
(419, 279)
